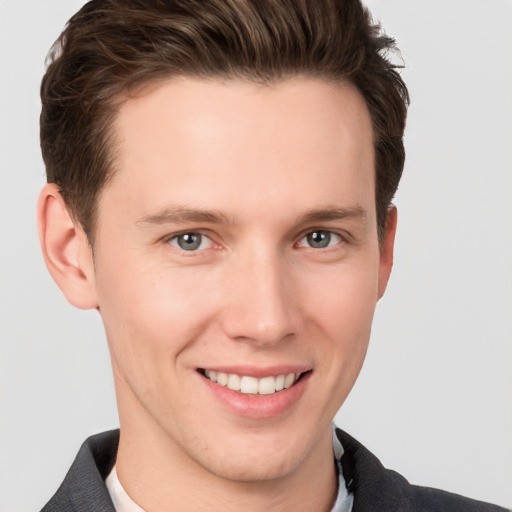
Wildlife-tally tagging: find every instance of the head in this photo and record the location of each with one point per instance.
(232, 165)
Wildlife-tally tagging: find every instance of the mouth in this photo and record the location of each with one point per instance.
(249, 385)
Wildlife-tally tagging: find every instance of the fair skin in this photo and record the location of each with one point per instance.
(237, 237)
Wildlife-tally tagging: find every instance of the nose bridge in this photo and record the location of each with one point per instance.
(261, 308)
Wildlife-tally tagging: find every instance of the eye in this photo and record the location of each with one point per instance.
(320, 239)
(191, 241)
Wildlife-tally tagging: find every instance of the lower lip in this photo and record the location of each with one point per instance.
(258, 406)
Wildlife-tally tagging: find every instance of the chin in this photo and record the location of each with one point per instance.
(255, 469)
(254, 457)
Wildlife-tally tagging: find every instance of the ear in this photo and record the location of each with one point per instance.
(66, 250)
(386, 250)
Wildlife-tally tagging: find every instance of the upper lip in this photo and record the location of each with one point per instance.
(258, 371)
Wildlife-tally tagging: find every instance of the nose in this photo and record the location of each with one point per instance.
(261, 305)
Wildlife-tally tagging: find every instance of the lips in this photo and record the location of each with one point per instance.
(257, 393)
(247, 384)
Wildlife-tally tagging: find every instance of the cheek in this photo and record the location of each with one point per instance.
(343, 312)
(149, 323)
(152, 309)
(347, 299)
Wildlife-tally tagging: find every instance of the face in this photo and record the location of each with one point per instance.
(237, 268)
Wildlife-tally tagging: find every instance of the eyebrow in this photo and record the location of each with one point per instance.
(177, 214)
(333, 213)
(184, 214)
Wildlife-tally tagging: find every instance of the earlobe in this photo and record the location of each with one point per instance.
(66, 251)
(387, 249)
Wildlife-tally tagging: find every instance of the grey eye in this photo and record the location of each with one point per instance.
(321, 239)
(188, 241)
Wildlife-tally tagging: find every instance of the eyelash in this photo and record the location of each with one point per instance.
(192, 252)
(339, 239)
(189, 252)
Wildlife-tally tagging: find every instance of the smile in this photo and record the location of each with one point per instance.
(252, 385)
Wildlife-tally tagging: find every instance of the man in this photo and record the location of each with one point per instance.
(220, 184)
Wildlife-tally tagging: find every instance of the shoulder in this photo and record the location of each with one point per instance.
(428, 499)
(377, 489)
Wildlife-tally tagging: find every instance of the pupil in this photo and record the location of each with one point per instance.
(319, 239)
(189, 241)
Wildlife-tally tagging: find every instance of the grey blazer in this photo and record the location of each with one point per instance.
(375, 488)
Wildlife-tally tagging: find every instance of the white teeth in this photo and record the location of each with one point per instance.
(211, 375)
(267, 386)
(234, 382)
(252, 385)
(249, 385)
(289, 380)
(222, 378)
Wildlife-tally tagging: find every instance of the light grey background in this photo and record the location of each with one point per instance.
(434, 400)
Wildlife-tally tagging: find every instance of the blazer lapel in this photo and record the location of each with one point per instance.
(375, 488)
(83, 489)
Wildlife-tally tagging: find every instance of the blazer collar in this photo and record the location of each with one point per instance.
(83, 488)
(375, 488)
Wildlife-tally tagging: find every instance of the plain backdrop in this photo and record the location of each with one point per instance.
(434, 400)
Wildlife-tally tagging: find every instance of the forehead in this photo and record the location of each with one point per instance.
(192, 140)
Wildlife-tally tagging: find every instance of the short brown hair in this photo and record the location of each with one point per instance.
(111, 46)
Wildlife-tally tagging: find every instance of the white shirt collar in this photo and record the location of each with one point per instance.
(122, 502)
